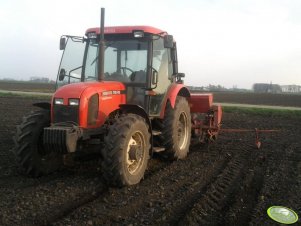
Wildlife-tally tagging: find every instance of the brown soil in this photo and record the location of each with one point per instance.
(28, 86)
(227, 183)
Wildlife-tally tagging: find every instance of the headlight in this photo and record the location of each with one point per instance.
(58, 101)
(74, 102)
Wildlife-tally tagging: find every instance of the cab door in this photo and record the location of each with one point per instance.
(162, 65)
(131, 69)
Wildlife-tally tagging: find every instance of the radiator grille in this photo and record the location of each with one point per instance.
(63, 113)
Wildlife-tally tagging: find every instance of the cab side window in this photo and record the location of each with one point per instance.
(162, 63)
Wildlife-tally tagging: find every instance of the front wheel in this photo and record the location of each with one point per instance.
(29, 149)
(126, 152)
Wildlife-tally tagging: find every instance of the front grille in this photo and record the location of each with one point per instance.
(63, 113)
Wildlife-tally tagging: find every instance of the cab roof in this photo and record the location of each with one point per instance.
(127, 30)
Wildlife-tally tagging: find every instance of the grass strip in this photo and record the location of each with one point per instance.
(263, 111)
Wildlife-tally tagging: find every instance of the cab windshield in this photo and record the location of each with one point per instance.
(125, 61)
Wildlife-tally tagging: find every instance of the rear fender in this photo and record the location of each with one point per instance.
(172, 93)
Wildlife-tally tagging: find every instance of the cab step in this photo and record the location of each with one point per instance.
(156, 132)
(158, 149)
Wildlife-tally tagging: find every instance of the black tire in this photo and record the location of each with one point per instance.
(124, 162)
(29, 145)
(176, 129)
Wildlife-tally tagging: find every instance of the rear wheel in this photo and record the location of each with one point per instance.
(29, 149)
(176, 129)
(126, 152)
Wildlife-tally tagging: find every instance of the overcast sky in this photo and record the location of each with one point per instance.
(226, 42)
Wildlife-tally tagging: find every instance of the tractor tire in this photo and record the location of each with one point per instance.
(126, 151)
(176, 129)
(29, 150)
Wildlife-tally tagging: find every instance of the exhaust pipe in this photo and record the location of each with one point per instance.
(101, 47)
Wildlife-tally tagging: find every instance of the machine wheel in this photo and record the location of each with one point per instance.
(176, 129)
(29, 145)
(126, 152)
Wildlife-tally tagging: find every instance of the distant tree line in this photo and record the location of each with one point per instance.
(207, 88)
(275, 88)
(257, 88)
(266, 88)
(34, 79)
(40, 79)
(215, 88)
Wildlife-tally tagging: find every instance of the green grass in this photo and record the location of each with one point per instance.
(263, 111)
(9, 94)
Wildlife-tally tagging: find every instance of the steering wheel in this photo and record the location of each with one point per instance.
(90, 78)
(124, 69)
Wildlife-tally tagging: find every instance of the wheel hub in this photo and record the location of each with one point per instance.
(135, 153)
(182, 130)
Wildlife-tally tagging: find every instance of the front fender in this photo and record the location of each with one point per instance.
(136, 109)
(43, 105)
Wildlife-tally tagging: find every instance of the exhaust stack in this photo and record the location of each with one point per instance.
(101, 47)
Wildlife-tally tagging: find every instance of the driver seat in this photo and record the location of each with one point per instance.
(138, 76)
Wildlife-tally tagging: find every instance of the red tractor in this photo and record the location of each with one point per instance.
(119, 93)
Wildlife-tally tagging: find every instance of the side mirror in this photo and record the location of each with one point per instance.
(168, 41)
(62, 43)
(155, 77)
(179, 77)
(62, 74)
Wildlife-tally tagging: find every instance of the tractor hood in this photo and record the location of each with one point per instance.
(76, 90)
(92, 102)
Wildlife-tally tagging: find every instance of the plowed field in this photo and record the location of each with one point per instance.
(226, 183)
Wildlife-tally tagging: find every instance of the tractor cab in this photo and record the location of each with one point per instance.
(143, 58)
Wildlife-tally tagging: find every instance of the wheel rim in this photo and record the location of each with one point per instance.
(135, 152)
(182, 130)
